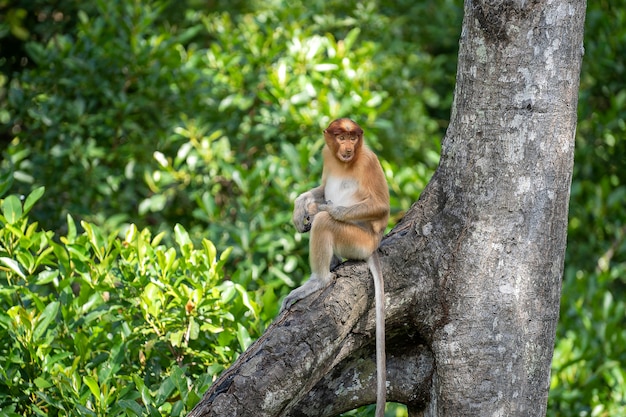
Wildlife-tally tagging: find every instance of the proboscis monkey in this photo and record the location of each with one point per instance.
(347, 215)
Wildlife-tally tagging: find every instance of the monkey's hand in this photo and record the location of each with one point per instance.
(325, 206)
(336, 212)
(304, 210)
(358, 214)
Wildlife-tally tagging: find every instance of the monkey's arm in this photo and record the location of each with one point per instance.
(371, 208)
(370, 202)
(306, 207)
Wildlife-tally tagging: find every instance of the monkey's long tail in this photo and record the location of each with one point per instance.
(381, 372)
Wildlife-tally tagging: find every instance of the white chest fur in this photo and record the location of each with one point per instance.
(341, 191)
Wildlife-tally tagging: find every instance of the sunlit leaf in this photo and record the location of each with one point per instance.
(181, 236)
(47, 316)
(12, 209)
(92, 383)
(32, 198)
(13, 265)
(243, 337)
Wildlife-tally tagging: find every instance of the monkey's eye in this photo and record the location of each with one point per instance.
(341, 138)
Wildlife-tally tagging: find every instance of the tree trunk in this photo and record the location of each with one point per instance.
(473, 271)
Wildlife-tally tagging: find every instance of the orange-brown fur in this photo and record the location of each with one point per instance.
(347, 215)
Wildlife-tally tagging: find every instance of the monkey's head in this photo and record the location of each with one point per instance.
(344, 138)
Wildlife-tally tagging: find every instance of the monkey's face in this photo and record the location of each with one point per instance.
(344, 138)
(345, 146)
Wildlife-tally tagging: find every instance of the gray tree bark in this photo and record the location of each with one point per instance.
(473, 271)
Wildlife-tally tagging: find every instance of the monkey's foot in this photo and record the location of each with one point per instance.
(312, 285)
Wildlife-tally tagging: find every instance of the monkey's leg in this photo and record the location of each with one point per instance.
(321, 255)
(335, 262)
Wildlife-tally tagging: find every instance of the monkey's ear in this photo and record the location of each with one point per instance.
(325, 131)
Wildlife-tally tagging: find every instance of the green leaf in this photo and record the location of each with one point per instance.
(211, 328)
(157, 239)
(161, 159)
(180, 380)
(96, 239)
(45, 255)
(246, 299)
(209, 249)
(165, 390)
(48, 315)
(42, 383)
(181, 236)
(19, 316)
(153, 299)
(193, 329)
(243, 337)
(351, 38)
(12, 209)
(32, 198)
(166, 260)
(224, 257)
(325, 67)
(13, 266)
(227, 291)
(177, 408)
(26, 260)
(130, 406)
(93, 385)
(71, 229)
(131, 234)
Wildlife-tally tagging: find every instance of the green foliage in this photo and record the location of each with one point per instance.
(90, 109)
(588, 376)
(141, 117)
(209, 118)
(153, 114)
(214, 122)
(104, 98)
(94, 324)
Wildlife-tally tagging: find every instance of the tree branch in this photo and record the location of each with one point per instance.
(324, 347)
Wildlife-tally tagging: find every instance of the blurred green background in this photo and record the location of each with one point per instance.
(151, 151)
